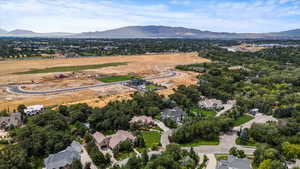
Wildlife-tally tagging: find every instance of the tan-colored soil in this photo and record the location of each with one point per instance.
(143, 65)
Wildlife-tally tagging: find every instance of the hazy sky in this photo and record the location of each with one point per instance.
(97, 15)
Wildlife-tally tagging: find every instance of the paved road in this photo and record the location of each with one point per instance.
(19, 90)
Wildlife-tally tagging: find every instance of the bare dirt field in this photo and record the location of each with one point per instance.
(142, 65)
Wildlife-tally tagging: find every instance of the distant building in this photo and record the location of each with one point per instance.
(144, 120)
(14, 119)
(234, 163)
(63, 158)
(176, 114)
(211, 104)
(33, 110)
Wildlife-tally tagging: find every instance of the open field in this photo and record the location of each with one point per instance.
(71, 68)
(142, 66)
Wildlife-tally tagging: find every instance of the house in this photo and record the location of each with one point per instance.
(120, 137)
(211, 104)
(144, 120)
(63, 158)
(114, 140)
(254, 111)
(234, 163)
(176, 114)
(14, 119)
(101, 140)
(33, 110)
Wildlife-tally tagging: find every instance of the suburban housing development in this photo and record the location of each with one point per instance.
(165, 84)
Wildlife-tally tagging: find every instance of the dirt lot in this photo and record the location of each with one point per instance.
(143, 65)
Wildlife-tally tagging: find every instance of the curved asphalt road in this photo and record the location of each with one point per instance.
(17, 88)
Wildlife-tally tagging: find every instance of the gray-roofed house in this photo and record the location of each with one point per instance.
(234, 163)
(64, 157)
(176, 114)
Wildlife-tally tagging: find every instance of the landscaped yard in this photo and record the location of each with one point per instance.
(72, 68)
(111, 79)
(152, 87)
(151, 138)
(201, 142)
(238, 142)
(196, 111)
(243, 119)
(122, 156)
(221, 157)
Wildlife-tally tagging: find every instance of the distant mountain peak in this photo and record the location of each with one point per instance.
(21, 31)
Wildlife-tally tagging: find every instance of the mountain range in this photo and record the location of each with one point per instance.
(155, 32)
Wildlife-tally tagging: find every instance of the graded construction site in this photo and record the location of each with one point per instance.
(56, 74)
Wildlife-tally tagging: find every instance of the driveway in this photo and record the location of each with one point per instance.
(212, 161)
(259, 118)
(85, 158)
(230, 104)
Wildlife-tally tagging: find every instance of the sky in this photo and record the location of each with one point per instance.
(251, 16)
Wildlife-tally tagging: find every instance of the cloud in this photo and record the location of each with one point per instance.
(180, 2)
(97, 15)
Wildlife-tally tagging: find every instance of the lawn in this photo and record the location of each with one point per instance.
(72, 68)
(152, 87)
(151, 138)
(111, 79)
(221, 157)
(122, 156)
(196, 110)
(243, 119)
(200, 142)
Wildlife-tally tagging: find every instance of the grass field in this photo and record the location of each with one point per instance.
(72, 68)
(243, 119)
(116, 78)
(238, 142)
(152, 87)
(151, 139)
(201, 142)
(196, 110)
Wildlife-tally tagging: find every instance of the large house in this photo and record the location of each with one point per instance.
(211, 104)
(114, 140)
(63, 158)
(234, 163)
(176, 114)
(33, 110)
(101, 140)
(144, 120)
(14, 119)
